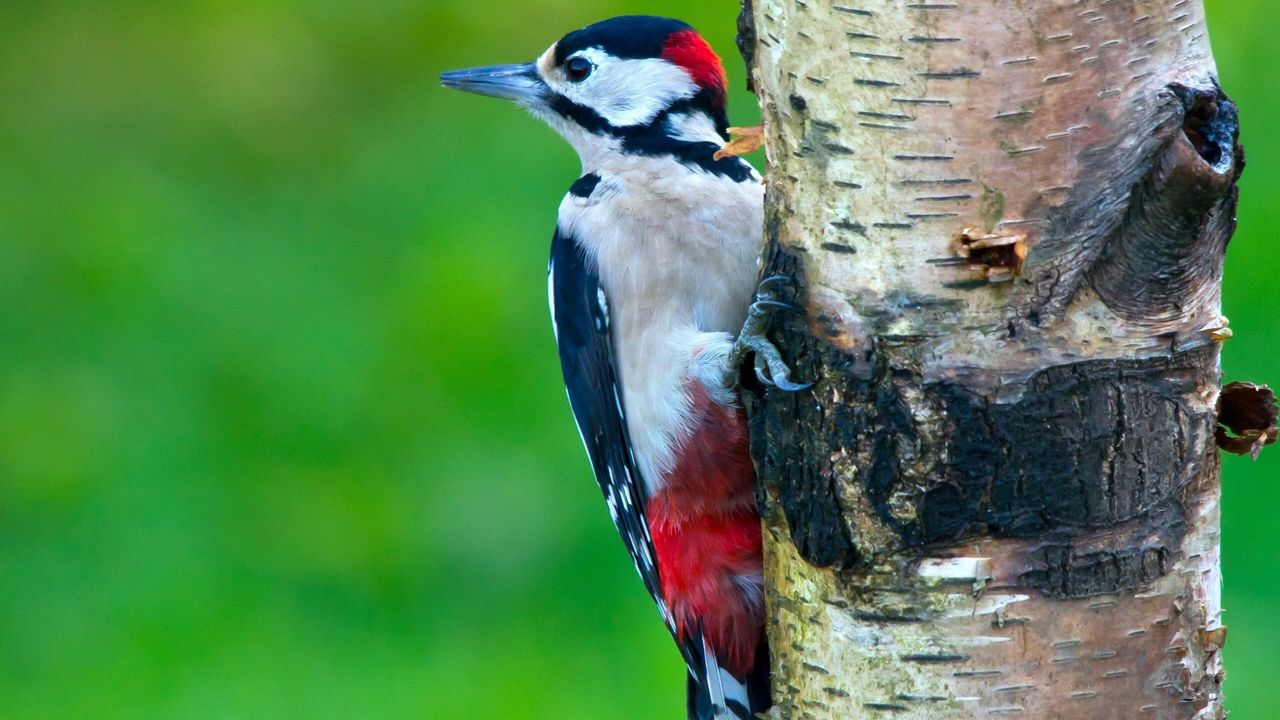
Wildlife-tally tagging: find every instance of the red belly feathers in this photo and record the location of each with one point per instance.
(706, 534)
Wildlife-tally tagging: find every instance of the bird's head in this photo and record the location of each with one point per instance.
(634, 84)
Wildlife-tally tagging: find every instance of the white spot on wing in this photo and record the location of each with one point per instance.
(733, 689)
(713, 678)
(617, 402)
(551, 297)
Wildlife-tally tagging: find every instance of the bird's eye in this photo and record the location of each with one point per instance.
(577, 69)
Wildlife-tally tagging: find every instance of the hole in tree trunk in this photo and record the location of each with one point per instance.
(1211, 123)
(1247, 416)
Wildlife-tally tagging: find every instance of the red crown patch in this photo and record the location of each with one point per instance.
(687, 49)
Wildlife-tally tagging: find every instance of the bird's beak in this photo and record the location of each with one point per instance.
(520, 83)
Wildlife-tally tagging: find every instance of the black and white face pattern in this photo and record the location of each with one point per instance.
(612, 83)
(634, 85)
(627, 70)
(623, 92)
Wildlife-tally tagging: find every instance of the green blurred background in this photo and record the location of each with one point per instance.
(267, 294)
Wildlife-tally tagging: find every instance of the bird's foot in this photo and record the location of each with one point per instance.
(770, 368)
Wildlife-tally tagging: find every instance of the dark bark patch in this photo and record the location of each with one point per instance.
(1247, 416)
(1139, 554)
(1088, 446)
(746, 40)
(821, 536)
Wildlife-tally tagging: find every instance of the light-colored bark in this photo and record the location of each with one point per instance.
(1006, 219)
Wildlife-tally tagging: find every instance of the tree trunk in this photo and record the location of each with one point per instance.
(1006, 220)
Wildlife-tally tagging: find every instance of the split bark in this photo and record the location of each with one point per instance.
(1006, 221)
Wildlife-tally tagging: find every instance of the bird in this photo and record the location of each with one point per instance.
(656, 304)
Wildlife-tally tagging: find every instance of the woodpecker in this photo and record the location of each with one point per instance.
(653, 266)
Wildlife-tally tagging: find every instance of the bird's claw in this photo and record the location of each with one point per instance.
(778, 304)
(762, 289)
(778, 376)
(770, 368)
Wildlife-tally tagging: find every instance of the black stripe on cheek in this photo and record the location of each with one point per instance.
(692, 154)
(582, 115)
(650, 140)
(585, 185)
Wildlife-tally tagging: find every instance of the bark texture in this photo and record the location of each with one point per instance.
(1006, 221)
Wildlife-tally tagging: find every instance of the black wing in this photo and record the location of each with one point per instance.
(580, 312)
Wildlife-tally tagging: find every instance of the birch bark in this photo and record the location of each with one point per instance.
(1006, 221)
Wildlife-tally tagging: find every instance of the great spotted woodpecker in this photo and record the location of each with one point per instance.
(653, 263)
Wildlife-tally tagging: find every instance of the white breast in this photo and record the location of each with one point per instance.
(677, 250)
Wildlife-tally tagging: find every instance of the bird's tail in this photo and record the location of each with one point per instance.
(715, 694)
